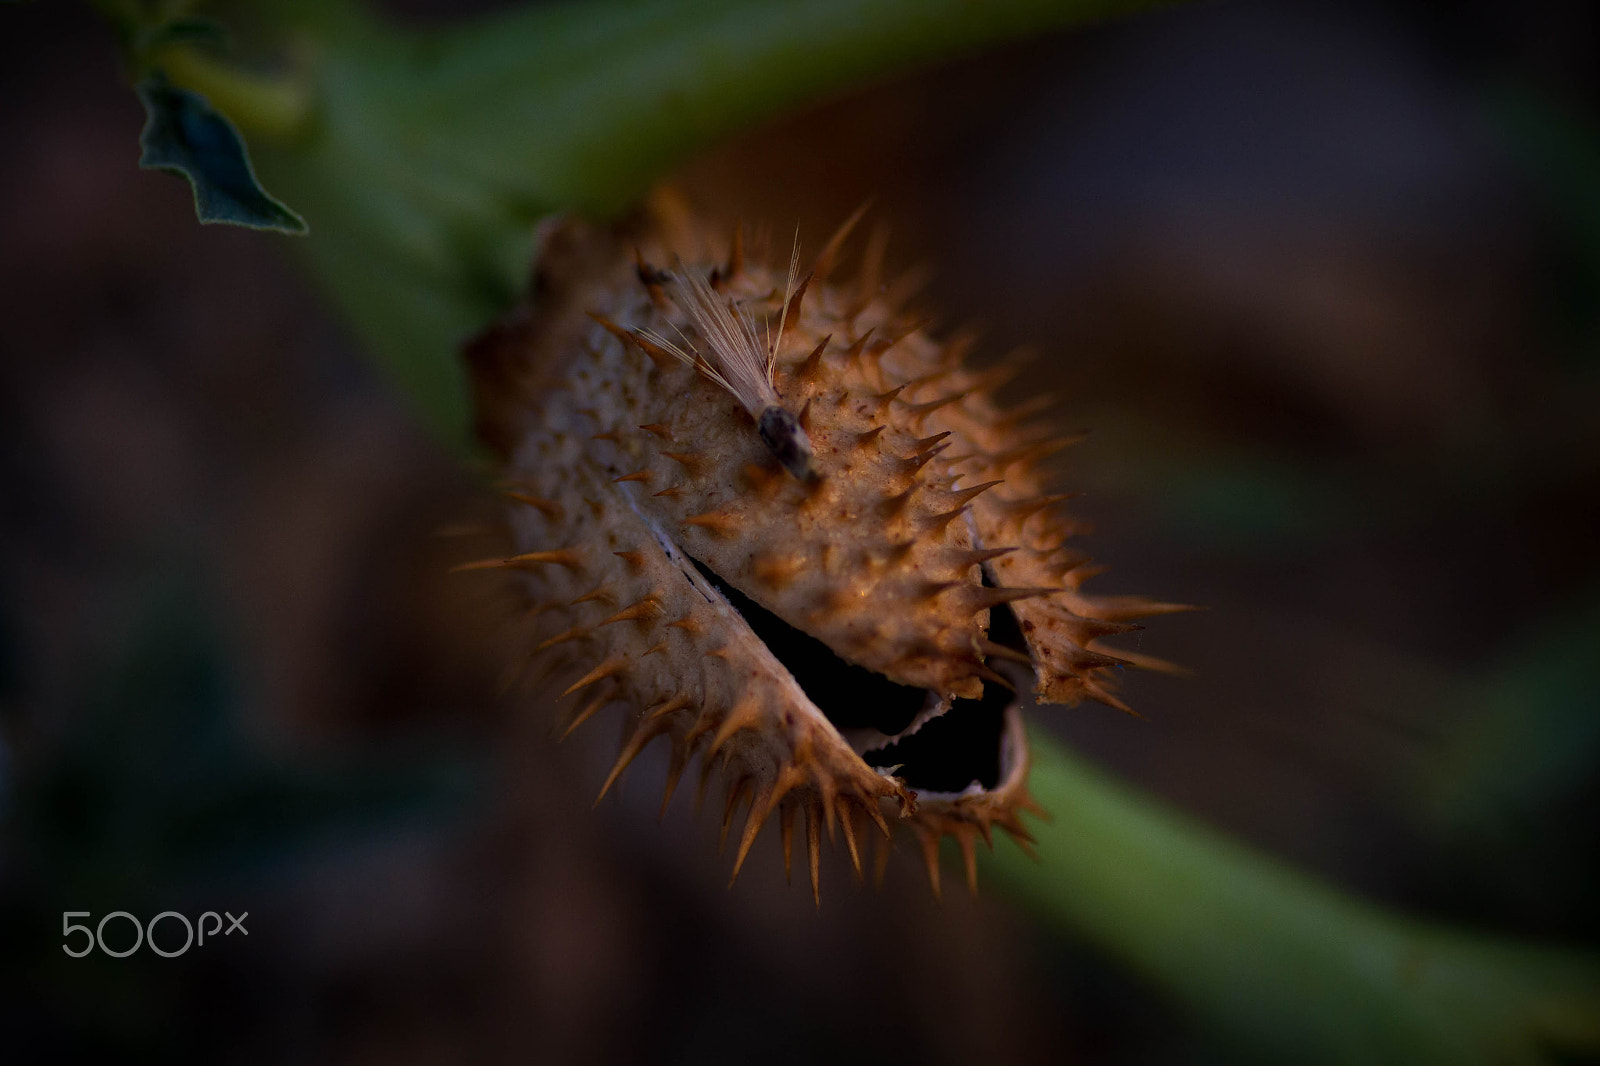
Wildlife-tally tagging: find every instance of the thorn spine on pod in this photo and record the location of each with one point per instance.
(987, 674)
(920, 411)
(761, 808)
(915, 463)
(978, 556)
(969, 857)
(848, 828)
(659, 356)
(786, 836)
(693, 462)
(811, 367)
(894, 506)
(853, 353)
(813, 851)
(870, 805)
(829, 256)
(575, 633)
(759, 479)
(1031, 455)
(937, 522)
(668, 707)
(966, 496)
(648, 607)
(586, 713)
(1003, 373)
(677, 761)
(599, 673)
(652, 280)
(777, 570)
(601, 591)
(883, 399)
(870, 277)
(643, 734)
(930, 858)
(559, 557)
(791, 308)
(1022, 510)
(1000, 651)
(881, 347)
(897, 553)
(1153, 664)
(746, 714)
(880, 862)
(1120, 608)
(1100, 694)
(549, 508)
(753, 822)
(1025, 410)
(717, 523)
(737, 791)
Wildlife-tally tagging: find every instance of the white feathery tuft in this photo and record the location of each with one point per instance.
(783, 313)
(735, 359)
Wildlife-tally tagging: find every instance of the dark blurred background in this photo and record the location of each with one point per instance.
(1324, 280)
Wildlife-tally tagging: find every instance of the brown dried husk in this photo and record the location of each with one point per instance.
(623, 462)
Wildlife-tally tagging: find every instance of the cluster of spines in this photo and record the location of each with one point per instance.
(914, 514)
(801, 784)
(889, 421)
(800, 778)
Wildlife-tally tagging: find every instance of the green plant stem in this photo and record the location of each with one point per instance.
(431, 155)
(273, 108)
(618, 93)
(1277, 959)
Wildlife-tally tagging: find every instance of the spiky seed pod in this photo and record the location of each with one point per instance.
(787, 530)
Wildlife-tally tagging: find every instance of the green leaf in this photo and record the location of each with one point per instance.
(185, 135)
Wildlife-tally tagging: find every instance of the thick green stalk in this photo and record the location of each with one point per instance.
(1294, 968)
(431, 155)
(276, 108)
(617, 93)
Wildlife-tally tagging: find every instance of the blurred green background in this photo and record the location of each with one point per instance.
(1322, 279)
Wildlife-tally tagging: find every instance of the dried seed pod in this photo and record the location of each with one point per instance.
(789, 532)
